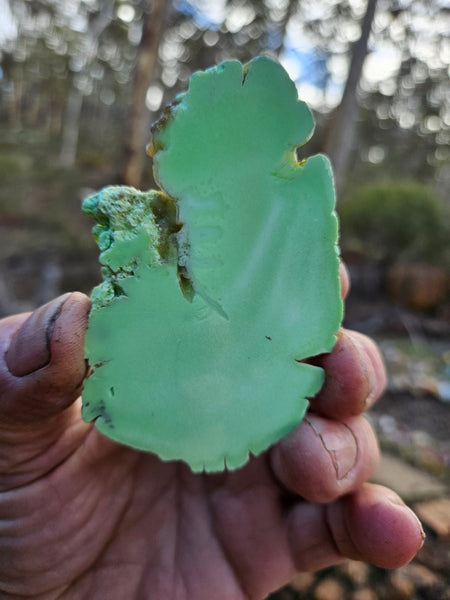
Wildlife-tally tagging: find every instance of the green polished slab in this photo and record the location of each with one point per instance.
(215, 288)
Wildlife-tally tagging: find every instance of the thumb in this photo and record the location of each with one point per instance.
(42, 366)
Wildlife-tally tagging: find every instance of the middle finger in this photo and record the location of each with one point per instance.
(323, 459)
(355, 376)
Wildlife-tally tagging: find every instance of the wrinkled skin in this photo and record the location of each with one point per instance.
(84, 518)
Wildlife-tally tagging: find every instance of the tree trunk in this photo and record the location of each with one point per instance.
(71, 123)
(290, 11)
(138, 126)
(71, 128)
(340, 135)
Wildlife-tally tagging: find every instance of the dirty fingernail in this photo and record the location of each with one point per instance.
(29, 347)
(340, 443)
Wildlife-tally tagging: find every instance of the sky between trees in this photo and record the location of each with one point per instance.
(375, 72)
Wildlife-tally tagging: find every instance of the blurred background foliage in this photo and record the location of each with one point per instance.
(396, 221)
(82, 80)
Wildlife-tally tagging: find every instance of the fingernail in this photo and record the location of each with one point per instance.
(422, 533)
(397, 501)
(368, 371)
(341, 444)
(29, 347)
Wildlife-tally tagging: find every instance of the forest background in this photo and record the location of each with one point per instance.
(82, 80)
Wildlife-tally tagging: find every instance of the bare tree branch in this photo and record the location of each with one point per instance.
(342, 127)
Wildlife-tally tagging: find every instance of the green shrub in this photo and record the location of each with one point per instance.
(395, 221)
(14, 165)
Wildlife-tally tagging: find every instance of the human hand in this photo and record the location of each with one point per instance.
(83, 517)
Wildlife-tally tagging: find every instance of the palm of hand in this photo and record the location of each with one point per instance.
(121, 524)
(82, 517)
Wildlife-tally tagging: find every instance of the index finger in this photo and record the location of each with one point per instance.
(355, 376)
